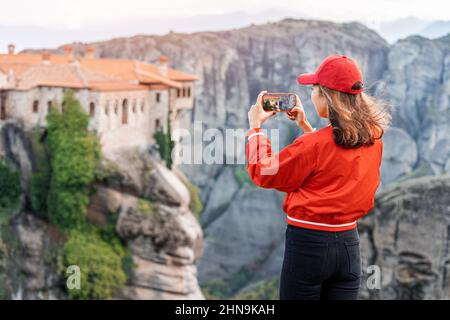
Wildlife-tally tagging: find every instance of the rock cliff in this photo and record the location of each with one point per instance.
(417, 81)
(408, 236)
(162, 234)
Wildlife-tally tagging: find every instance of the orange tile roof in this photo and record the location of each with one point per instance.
(30, 70)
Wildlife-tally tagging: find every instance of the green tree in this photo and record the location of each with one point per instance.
(74, 154)
(165, 143)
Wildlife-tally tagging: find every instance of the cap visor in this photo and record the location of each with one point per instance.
(307, 78)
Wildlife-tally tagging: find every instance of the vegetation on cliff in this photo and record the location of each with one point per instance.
(74, 154)
(165, 144)
(101, 263)
(196, 205)
(228, 289)
(66, 163)
(9, 190)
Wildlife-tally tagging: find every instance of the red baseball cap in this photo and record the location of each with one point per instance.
(336, 72)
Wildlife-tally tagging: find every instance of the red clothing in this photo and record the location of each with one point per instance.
(328, 187)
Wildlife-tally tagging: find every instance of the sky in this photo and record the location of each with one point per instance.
(49, 23)
(82, 13)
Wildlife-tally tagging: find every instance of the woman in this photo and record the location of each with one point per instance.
(330, 176)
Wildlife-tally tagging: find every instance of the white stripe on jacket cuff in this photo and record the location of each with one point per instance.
(255, 134)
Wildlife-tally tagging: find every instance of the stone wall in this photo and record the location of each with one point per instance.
(143, 111)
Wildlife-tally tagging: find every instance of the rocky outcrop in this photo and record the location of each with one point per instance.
(166, 243)
(399, 155)
(417, 82)
(33, 249)
(163, 236)
(249, 230)
(28, 245)
(15, 146)
(408, 236)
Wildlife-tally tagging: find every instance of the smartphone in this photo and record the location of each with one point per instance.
(278, 101)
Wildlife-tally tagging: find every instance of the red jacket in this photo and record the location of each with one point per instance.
(328, 187)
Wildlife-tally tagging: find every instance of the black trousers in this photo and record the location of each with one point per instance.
(320, 265)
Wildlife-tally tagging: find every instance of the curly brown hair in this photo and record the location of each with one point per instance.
(357, 119)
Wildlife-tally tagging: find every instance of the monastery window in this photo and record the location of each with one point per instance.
(178, 93)
(184, 92)
(35, 106)
(116, 107)
(157, 124)
(63, 104)
(107, 108)
(125, 111)
(134, 106)
(49, 105)
(91, 109)
(158, 97)
(189, 91)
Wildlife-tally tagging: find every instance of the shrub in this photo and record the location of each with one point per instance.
(226, 288)
(263, 290)
(216, 290)
(196, 205)
(101, 264)
(67, 207)
(146, 206)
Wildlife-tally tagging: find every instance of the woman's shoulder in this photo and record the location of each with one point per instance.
(318, 135)
(317, 139)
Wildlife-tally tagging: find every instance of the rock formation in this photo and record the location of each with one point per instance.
(164, 237)
(408, 236)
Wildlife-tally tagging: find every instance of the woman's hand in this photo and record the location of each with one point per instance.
(257, 115)
(298, 115)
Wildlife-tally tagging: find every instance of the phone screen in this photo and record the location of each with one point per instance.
(278, 101)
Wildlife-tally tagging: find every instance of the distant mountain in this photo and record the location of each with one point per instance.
(401, 28)
(436, 29)
(405, 27)
(33, 37)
